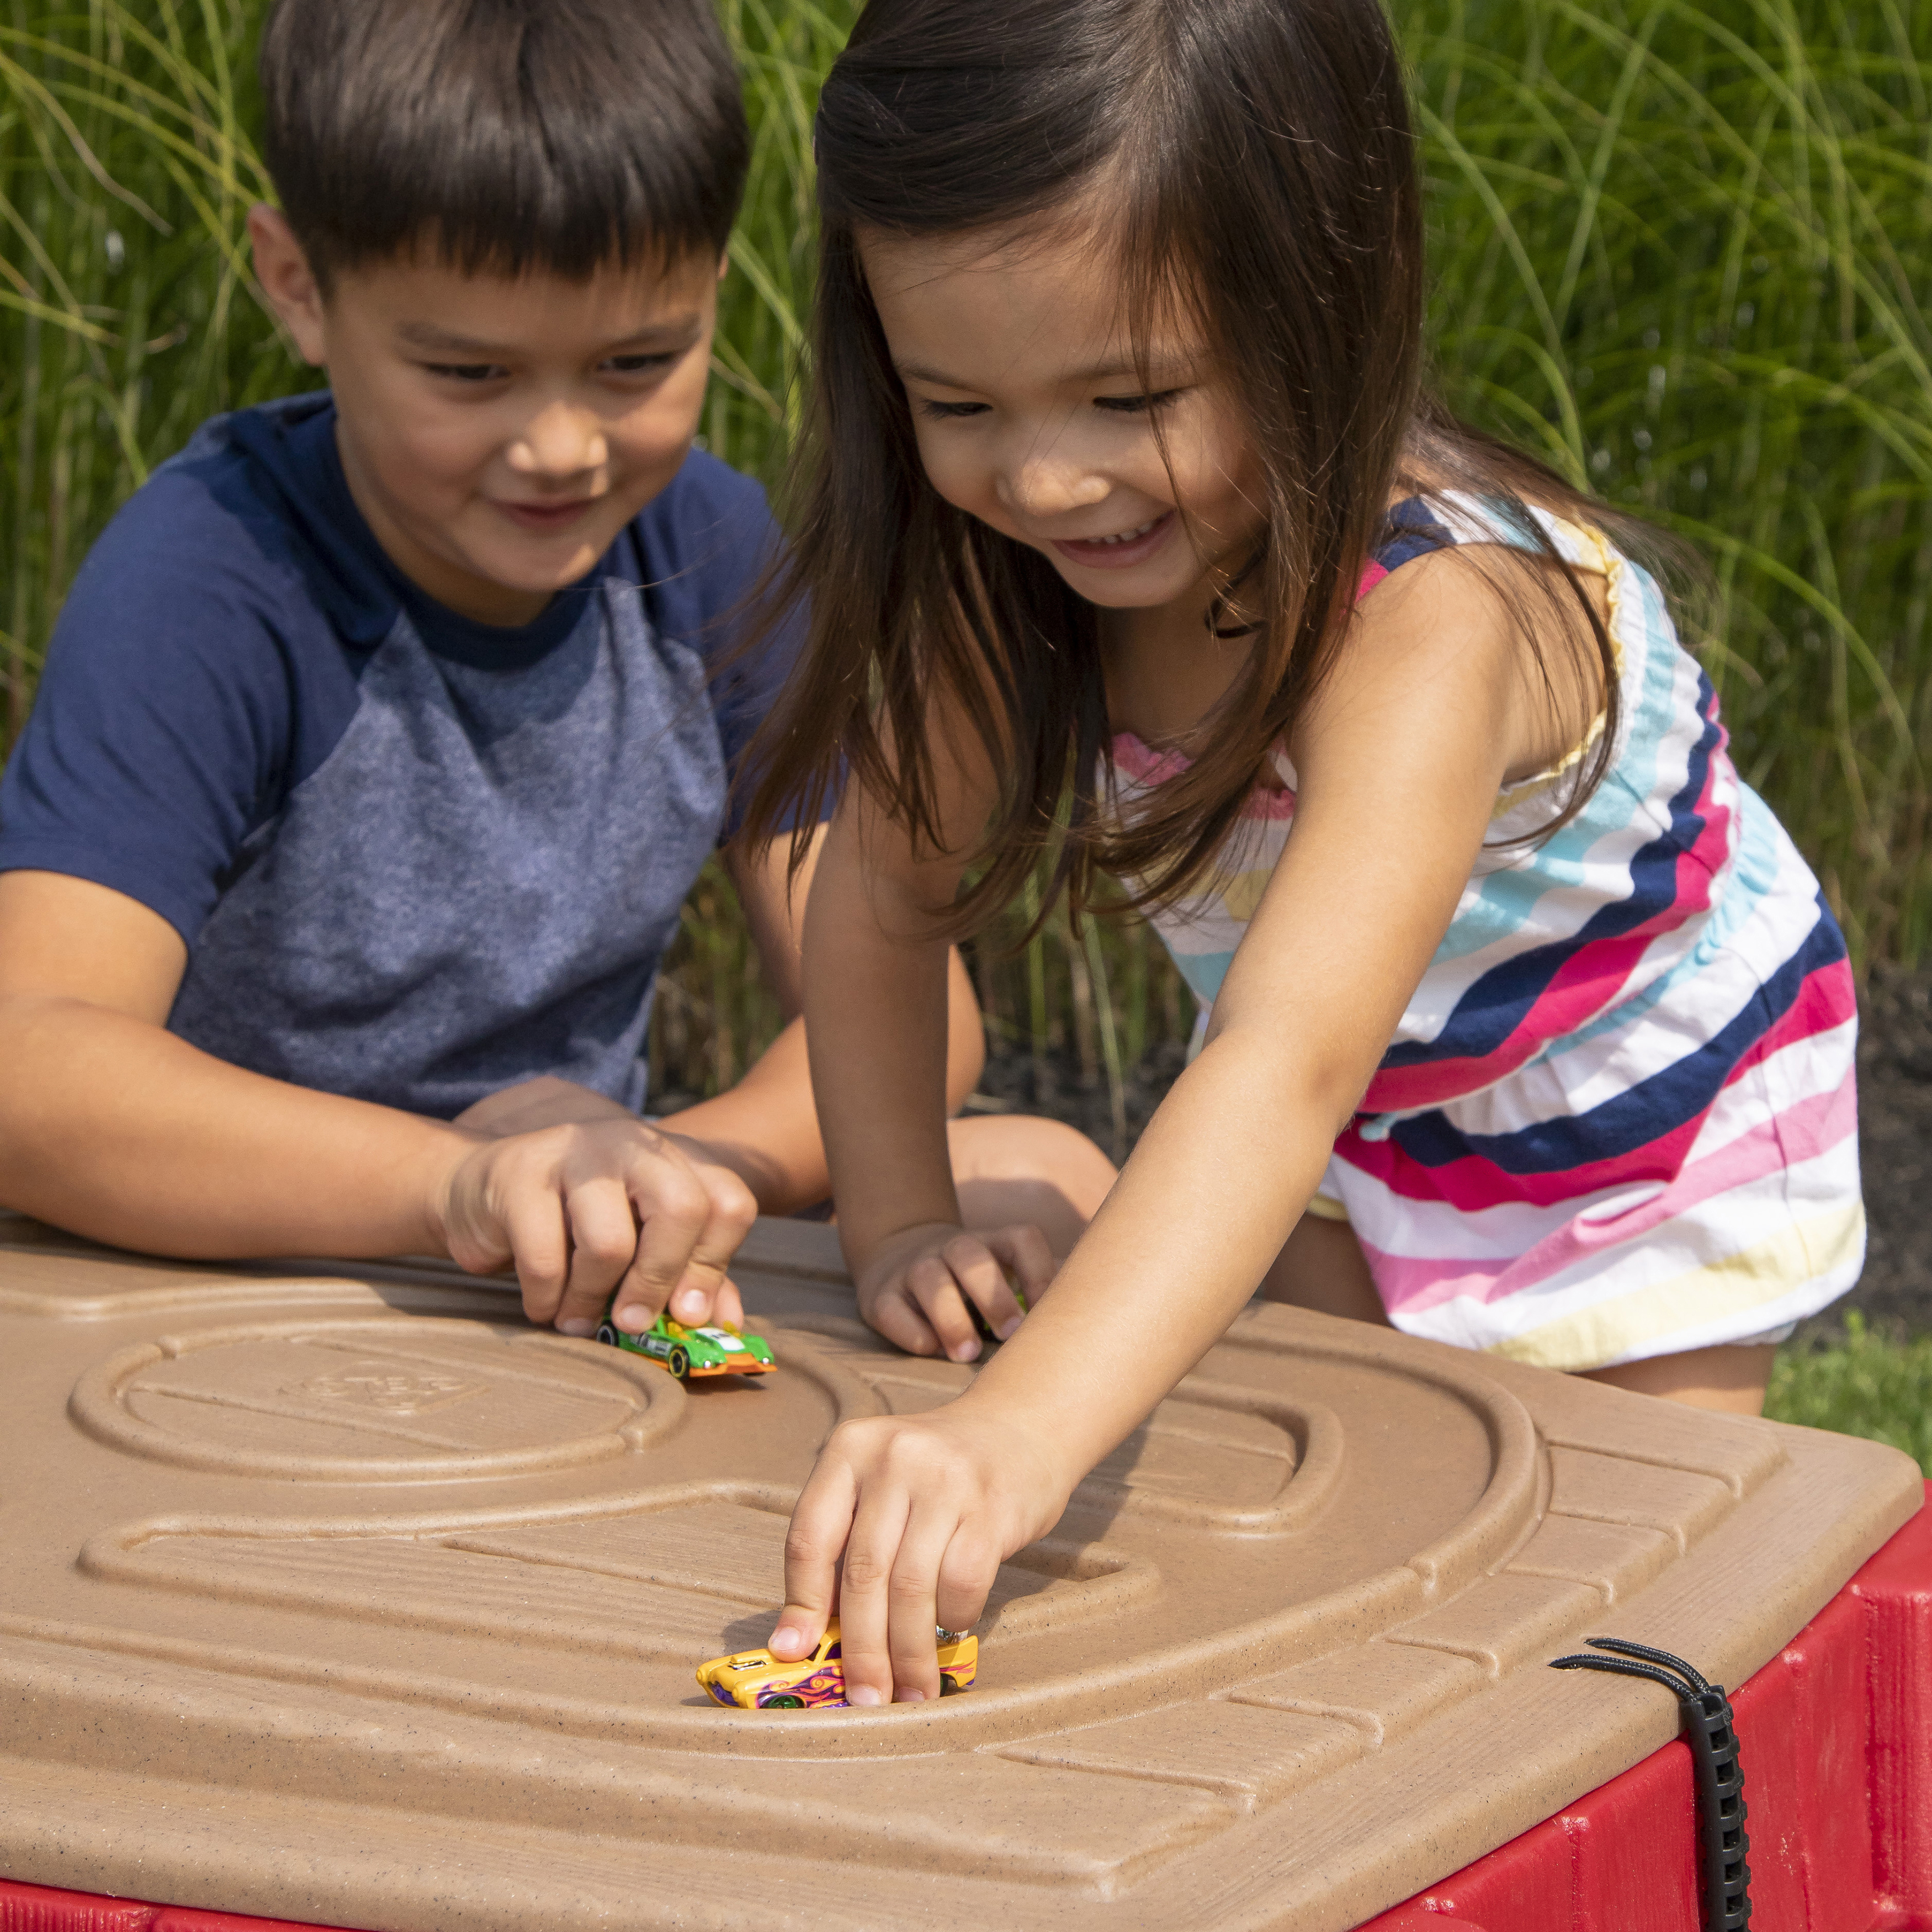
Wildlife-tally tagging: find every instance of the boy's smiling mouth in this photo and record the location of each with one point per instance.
(1120, 551)
(533, 516)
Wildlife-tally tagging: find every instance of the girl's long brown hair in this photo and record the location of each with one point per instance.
(1256, 163)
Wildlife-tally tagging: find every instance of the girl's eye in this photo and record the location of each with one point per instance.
(946, 412)
(1130, 406)
(639, 364)
(468, 372)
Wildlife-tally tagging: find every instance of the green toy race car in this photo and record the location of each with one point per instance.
(715, 1349)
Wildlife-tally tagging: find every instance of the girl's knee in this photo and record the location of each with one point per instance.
(1019, 1167)
(1025, 1146)
(1321, 1266)
(1732, 1379)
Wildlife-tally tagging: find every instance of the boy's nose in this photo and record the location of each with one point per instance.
(559, 442)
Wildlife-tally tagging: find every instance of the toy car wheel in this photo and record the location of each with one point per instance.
(606, 1332)
(784, 1703)
(679, 1362)
(948, 1685)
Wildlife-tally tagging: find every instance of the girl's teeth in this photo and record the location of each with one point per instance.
(1128, 536)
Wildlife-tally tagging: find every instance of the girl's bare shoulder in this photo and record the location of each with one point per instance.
(1488, 628)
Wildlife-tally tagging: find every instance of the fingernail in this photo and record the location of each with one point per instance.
(966, 1351)
(862, 1694)
(691, 1304)
(1008, 1330)
(633, 1317)
(576, 1325)
(787, 1636)
(905, 1695)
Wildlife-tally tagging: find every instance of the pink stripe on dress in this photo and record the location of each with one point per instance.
(1807, 1129)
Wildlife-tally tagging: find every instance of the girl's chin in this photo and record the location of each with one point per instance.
(1138, 590)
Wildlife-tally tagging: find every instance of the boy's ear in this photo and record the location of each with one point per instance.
(724, 263)
(287, 280)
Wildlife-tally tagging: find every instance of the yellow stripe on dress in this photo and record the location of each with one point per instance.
(1754, 1277)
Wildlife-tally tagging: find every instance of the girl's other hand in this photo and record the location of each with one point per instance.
(903, 1525)
(583, 1209)
(915, 1288)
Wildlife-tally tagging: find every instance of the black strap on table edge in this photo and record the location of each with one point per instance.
(1713, 1740)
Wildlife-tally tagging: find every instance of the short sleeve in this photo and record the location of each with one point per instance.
(162, 732)
(708, 543)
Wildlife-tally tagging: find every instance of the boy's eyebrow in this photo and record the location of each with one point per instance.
(673, 332)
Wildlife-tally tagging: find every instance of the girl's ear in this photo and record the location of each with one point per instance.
(281, 267)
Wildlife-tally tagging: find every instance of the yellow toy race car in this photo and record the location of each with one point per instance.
(754, 1680)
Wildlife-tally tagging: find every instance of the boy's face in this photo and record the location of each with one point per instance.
(497, 434)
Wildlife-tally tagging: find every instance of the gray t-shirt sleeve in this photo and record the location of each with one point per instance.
(169, 707)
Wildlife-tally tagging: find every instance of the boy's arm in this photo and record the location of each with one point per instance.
(113, 1126)
(765, 1127)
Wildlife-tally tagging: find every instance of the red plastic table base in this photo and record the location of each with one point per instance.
(40, 1908)
(1835, 1734)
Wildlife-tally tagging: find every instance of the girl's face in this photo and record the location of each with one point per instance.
(1030, 416)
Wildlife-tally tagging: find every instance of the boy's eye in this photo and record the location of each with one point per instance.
(468, 372)
(929, 406)
(1135, 405)
(640, 364)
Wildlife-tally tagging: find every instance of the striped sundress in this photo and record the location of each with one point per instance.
(1619, 1118)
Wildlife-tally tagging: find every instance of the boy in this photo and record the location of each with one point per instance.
(385, 729)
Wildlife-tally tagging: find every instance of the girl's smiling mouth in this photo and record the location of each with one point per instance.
(1117, 553)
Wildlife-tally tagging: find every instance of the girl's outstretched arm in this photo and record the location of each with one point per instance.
(906, 1519)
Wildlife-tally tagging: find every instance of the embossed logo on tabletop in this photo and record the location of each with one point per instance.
(394, 1391)
(392, 1399)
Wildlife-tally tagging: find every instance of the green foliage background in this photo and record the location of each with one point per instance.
(1683, 252)
(1874, 1385)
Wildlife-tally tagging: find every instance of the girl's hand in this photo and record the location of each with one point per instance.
(915, 1287)
(903, 1525)
(582, 1209)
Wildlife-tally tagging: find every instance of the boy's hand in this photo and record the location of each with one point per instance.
(915, 1287)
(903, 1525)
(583, 1209)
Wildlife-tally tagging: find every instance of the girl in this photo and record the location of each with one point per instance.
(1526, 1029)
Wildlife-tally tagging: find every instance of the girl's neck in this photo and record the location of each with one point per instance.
(1165, 669)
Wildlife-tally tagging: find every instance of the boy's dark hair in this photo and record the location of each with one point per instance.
(1251, 165)
(503, 135)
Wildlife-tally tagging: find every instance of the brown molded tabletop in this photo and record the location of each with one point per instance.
(336, 1593)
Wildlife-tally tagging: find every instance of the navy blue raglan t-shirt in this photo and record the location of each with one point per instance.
(415, 859)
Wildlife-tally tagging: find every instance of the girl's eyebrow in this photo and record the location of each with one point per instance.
(921, 372)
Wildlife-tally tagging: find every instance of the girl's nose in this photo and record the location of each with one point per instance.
(1049, 484)
(558, 441)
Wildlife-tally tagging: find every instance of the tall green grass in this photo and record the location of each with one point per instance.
(1683, 252)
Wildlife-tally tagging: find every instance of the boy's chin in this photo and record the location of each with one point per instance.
(541, 578)
(536, 565)
(509, 584)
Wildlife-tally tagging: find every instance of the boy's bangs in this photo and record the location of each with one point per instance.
(503, 136)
